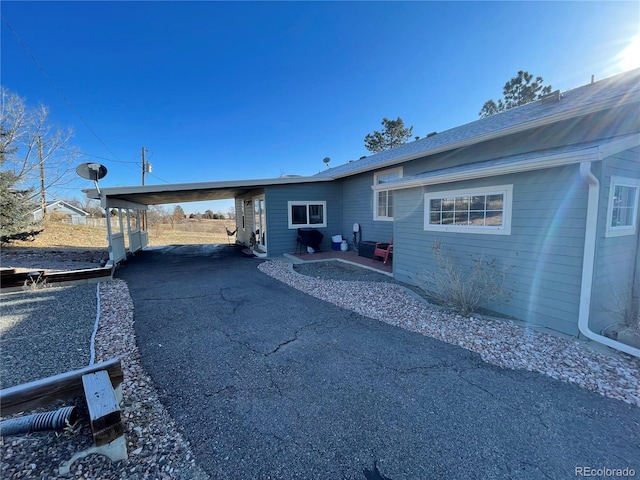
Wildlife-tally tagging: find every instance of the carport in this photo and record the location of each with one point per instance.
(132, 202)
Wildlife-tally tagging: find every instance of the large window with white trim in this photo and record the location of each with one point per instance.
(383, 199)
(478, 210)
(307, 214)
(622, 211)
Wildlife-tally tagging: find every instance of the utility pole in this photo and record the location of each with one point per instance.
(143, 166)
(43, 198)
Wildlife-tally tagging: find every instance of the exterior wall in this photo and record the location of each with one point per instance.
(545, 247)
(358, 208)
(243, 235)
(358, 203)
(280, 238)
(617, 257)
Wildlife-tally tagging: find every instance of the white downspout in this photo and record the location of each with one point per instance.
(588, 263)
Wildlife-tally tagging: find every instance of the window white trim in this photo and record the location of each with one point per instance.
(618, 231)
(378, 193)
(504, 229)
(307, 204)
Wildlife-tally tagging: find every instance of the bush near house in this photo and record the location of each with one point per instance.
(465, 289)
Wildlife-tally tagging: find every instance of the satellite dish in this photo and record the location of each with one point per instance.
(326, 161)
(91, 171)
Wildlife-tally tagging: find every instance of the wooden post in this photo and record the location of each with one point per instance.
(104, 410)
(46, 390)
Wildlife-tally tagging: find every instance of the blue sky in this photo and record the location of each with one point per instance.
(234, 90)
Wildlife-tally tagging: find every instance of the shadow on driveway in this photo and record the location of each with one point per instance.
(267, 382)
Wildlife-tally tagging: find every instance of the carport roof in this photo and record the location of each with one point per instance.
(191, 192)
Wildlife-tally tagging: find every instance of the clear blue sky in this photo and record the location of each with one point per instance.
(220, 91)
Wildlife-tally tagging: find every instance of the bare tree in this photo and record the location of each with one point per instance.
(93, 208)
(36, 153)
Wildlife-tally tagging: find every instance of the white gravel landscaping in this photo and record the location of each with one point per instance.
(502, 343)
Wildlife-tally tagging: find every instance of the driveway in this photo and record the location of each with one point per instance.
(269, 383)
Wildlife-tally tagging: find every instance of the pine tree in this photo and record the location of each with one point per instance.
(393, 135)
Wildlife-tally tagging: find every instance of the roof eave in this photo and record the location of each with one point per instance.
(551, 161)
(539, 122)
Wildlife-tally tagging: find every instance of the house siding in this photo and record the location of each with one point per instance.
(358, 198)
(545, 247)
(616, 258)
(244, 235)
(280, 238)
(358, 208)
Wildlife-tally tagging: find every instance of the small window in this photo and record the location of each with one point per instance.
(622, 211)
(482, 210)
(383, 199)
(307, 214)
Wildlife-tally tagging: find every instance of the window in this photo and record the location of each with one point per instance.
(383, 200)
(481, 210)
(307, 214)
(623, 206)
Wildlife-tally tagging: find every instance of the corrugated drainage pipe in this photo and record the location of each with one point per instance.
(39, 422)
(588, 264)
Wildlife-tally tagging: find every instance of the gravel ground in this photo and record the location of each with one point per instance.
(156, 448)
(56, 323)
(52, 258)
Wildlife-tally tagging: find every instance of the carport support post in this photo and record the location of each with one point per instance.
(129, 227)
(109, 233)
(120, 221)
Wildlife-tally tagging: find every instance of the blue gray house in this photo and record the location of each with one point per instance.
(550, 188)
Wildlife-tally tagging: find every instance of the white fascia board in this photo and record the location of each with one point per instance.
(537, 163)
(173, 187)
(517, 128)
(108, 203)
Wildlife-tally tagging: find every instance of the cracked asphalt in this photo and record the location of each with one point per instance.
(269, 383)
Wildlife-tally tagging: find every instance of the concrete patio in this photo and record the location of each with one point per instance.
(349, 256)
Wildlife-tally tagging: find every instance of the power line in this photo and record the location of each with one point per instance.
(56, 88)
(70, 105)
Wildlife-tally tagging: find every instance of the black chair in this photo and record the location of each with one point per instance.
(308, 237)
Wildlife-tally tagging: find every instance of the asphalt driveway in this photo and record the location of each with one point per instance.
(269, 383)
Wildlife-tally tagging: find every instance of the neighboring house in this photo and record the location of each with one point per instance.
(64, 211)
(550, 188)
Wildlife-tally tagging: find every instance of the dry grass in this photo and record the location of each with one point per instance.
(191, 232)
(62, 235)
